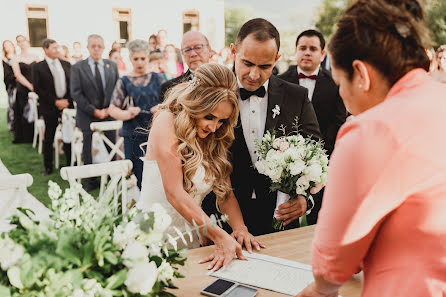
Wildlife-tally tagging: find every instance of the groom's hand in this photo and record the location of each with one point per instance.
(243, 237)
(292, 210)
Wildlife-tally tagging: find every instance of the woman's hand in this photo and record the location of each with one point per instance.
(243, 237)
(311, 291)
(134, 111)
(225, 249)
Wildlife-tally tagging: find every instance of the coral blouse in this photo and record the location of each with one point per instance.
(385, 201)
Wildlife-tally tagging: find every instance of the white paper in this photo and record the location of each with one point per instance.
(267, 272)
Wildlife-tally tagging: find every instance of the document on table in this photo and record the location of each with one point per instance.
(267, 272)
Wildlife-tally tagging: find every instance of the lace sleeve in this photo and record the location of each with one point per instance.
(119, 93)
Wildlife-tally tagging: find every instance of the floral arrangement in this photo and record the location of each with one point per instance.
(293, 163)
(88, 250)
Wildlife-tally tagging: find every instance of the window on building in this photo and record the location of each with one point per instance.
(191, 21)
(122, 18)
(37, 19)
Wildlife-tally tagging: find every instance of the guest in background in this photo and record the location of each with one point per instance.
(116, 46)
(322, 92)
(385, 199)
(440, 75)
(77, 53)
(9, 53)
(433, 60)
(21, 66)
(51, 78)
(172, 68)
(133, 98)
(196, 51)
(92, 83)
(161, 40)
(225, 57)
(152, 43)
(115, 56)
(155, 63)
(64, 53)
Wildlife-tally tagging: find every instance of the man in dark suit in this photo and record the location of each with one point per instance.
(256, 52)
(196, 51)
(92, 83)
(322, 92)
(51, 80)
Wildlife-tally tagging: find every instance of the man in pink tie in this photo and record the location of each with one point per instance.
(322, 92)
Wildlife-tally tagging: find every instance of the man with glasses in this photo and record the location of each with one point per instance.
(196, 51)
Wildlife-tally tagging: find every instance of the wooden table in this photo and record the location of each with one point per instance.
(292, 245)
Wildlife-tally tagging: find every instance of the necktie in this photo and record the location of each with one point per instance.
(313, 77)
(245, 94)
(98, 78)
(59, 80)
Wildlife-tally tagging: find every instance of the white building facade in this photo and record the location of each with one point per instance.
(68, 21)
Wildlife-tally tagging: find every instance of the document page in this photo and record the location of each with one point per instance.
(267, 272)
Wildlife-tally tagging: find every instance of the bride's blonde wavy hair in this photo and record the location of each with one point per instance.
(192, 100)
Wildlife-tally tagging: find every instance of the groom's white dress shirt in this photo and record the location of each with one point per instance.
(253, 113)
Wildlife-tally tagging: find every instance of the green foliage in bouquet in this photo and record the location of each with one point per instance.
(87, 250)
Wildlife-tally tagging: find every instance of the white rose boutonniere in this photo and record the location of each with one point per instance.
(276, 111)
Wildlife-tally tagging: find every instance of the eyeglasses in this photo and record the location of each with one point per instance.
(187, 51)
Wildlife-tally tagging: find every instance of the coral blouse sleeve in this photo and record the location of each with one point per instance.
(362, 188)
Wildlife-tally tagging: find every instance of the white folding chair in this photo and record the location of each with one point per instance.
(101, 127)
(76, 147)
(39, 124)
(68, 118)
(116, 170)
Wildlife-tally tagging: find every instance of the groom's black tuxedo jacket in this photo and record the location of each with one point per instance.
(258, 213)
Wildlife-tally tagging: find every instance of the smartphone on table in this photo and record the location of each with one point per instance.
(224, 288)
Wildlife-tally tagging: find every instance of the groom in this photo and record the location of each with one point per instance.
(255, 53)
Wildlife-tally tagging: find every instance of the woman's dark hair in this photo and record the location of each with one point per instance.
(390, 35)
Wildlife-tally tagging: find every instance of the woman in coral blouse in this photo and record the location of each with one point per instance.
(384, 208)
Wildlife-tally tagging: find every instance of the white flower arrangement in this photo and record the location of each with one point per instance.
(294, 164)
(276, 111)
(86, 250)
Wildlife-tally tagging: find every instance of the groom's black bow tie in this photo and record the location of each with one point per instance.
(245, 94)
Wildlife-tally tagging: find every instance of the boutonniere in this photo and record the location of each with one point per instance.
(108, 65)
(276, 111)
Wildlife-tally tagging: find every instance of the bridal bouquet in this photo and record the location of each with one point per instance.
(88, 250)
(293, 163)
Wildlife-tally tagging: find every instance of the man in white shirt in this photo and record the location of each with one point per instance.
(322, 92)
(255, 53)
(51, 80)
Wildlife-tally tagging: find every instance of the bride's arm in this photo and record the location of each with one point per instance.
(230, 207)
(163, 148)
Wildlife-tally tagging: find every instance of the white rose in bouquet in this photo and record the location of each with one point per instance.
(134, 253)
(10, 253)
(165, 272)
(294, 165)
(141, 278)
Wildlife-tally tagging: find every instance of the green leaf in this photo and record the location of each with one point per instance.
(157, 260)
(116, 280)
(111, 257)
(4, 292)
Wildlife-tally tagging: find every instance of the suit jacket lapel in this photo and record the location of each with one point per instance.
(107, 74)
(87, 71)
(317, 86)
(275, 97)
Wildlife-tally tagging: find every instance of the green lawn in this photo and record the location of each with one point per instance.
(23, 158)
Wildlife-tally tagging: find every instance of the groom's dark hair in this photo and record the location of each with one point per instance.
(261, 29)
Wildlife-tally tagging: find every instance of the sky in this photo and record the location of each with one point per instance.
(284, 14)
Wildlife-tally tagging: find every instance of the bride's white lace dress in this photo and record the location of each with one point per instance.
(152, 191)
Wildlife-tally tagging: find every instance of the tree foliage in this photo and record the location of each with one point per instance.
(435, 10)
(235, 17)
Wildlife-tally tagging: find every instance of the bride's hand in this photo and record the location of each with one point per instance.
(243, 237)
(225, 248)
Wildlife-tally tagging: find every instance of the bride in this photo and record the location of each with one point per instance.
(187, 157)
